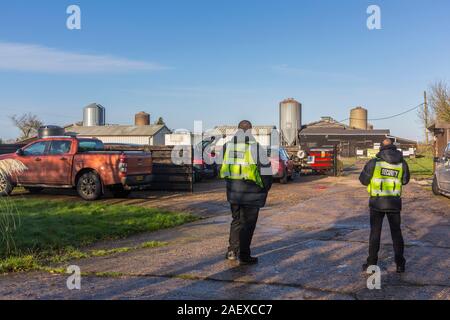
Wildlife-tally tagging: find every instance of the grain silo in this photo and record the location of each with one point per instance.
(142, 119)
(290, 121)
(94, 115)
(358, 118)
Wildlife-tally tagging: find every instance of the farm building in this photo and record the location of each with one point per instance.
(328, 132)
(142, 132)
(263, 134)
(441, 132)
(139, 135)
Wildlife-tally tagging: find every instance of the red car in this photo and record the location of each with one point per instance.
(282, 166)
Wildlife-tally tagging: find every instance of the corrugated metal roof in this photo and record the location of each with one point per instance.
(116, 130)
(327, 122)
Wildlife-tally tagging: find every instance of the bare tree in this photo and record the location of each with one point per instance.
(28, 124)
(440, 101)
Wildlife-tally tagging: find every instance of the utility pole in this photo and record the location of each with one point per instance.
(425, 112)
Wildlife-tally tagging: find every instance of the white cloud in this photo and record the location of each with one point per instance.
(36, 58)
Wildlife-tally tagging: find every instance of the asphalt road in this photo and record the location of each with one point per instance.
(311, 240)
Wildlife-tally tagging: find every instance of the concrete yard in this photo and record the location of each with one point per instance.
(311, 240)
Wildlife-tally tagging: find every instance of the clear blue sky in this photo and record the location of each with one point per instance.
(220, 61)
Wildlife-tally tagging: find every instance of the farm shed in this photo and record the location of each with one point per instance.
(262, 134)
(328, 132)
(138, 135)
(441, 133)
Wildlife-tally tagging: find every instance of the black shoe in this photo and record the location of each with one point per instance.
(248, 261)
(401, 268)
(231, 255)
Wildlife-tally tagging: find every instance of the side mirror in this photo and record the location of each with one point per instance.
(20, 152)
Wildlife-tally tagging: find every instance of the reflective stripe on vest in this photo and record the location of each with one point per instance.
(238, 164)
(387, 180)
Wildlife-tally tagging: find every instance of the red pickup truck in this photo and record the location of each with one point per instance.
(68, 162)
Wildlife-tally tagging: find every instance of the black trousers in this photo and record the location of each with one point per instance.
(242, 229)
(376, 224)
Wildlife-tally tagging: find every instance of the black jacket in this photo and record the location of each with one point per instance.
(248, 193)
(391, 155)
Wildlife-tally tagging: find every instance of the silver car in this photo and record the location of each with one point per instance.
(441, 180)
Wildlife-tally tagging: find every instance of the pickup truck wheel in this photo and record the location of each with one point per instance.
(6, 186)
(89, 186)
(34, 190)
(435, 187)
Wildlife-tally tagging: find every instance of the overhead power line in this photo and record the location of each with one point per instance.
(388, 117)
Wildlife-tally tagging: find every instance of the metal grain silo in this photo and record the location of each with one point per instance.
(290, 121)
(358, 118)
(94, 115)
(142, 119)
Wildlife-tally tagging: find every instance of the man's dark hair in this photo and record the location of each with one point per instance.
(245, 125)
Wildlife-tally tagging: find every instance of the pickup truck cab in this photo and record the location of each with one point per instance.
(68, 162)
(441, 179)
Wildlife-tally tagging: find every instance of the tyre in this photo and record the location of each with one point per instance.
(6, 187)
(284, 179)
(435, 187)
(34, 190)
(89, 186)
(120, 192)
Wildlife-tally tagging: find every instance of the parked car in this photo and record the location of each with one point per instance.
(282, 166)
(204, 160)
(68, 162)
(441, 179)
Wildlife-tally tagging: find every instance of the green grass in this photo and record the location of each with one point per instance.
(54, 231)
(421, 167)
(348, 162)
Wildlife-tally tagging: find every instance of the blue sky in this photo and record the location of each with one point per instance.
(220, 61)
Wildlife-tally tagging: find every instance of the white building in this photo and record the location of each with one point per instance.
(264, 135)
(138, 135)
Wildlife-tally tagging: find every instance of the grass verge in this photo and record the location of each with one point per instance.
(421, 167)
(52, 232)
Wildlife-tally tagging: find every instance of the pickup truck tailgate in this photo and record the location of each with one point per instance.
(139, 164)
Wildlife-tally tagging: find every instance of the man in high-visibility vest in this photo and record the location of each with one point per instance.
(247, 171)
(385, 177)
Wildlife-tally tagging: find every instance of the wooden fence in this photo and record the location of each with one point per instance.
(10, 148)
(168, 175)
